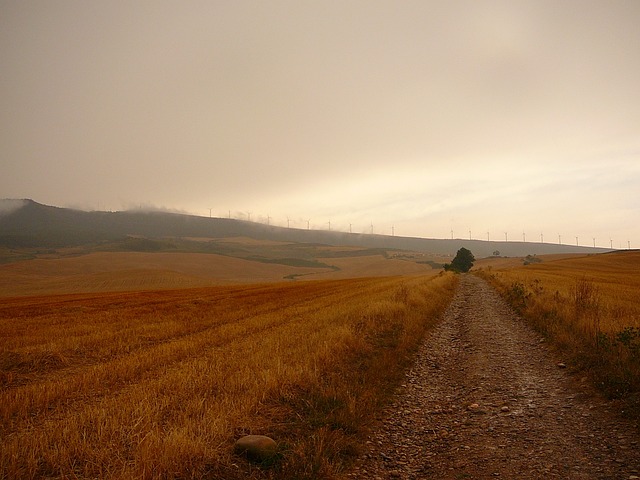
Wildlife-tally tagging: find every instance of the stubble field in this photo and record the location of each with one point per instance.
(69, 271)
(159, 384)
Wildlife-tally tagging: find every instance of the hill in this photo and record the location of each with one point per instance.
(28, 224)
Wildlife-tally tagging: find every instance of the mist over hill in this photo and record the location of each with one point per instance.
(28, 224)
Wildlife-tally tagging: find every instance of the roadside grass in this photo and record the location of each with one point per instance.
(160, 384)
(588, 309)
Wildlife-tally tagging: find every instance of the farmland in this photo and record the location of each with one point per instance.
(158, 384)
(128, 364)
(192, 263)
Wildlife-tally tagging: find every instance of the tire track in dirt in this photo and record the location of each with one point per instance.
(486, 399)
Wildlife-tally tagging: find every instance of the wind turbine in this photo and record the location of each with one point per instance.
(487, 236)
(577, 244)
(371, 228)
(249, 214)
(308, 220)
(209, 213)
(524, 237)
(393, 232)
(349, 227)
(505, 237)
(469, 234)
(541, 238)
(287, 222)
(559, 239)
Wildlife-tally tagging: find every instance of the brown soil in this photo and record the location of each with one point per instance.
(487, 399)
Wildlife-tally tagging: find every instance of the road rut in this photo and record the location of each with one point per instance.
(487, 399)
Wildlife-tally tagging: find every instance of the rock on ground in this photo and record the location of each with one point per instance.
(258, 448)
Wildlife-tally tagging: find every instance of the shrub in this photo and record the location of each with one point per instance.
(462, 262)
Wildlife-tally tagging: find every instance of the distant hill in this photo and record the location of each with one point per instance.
(28, 224)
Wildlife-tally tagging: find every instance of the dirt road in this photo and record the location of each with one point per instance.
(486, 399)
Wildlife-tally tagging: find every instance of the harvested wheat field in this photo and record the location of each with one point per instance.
(159, 384)
(126, 271)
(373, 266)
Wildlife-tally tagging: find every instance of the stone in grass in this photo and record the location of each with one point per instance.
(258, 448)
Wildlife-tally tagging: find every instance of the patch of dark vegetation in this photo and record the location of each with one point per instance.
(529, 259)
(15, 256)
(365, 252)
(432, 264)
(295, 276)
(293, 262)
(134, 244)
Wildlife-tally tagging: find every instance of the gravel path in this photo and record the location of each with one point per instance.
(486, 399)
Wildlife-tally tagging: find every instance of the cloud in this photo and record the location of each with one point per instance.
(8, 206)
(436, 113)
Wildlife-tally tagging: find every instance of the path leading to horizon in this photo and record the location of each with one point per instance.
(487, 399)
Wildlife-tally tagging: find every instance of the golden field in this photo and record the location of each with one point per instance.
(159, 384)
(588, 307)
(126, 271)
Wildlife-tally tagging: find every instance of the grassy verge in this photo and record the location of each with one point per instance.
(587, 308)
(160, 384)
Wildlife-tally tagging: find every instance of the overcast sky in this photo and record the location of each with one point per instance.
(421, 116)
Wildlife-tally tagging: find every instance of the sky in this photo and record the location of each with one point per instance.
(473, 118)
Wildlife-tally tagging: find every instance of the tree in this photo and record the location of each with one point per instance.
(462, 262)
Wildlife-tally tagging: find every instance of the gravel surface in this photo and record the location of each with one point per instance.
(486, 399)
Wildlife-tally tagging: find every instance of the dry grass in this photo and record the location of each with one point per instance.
(159, 384)
(588, 307)
(126, 271)
(372, 266)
